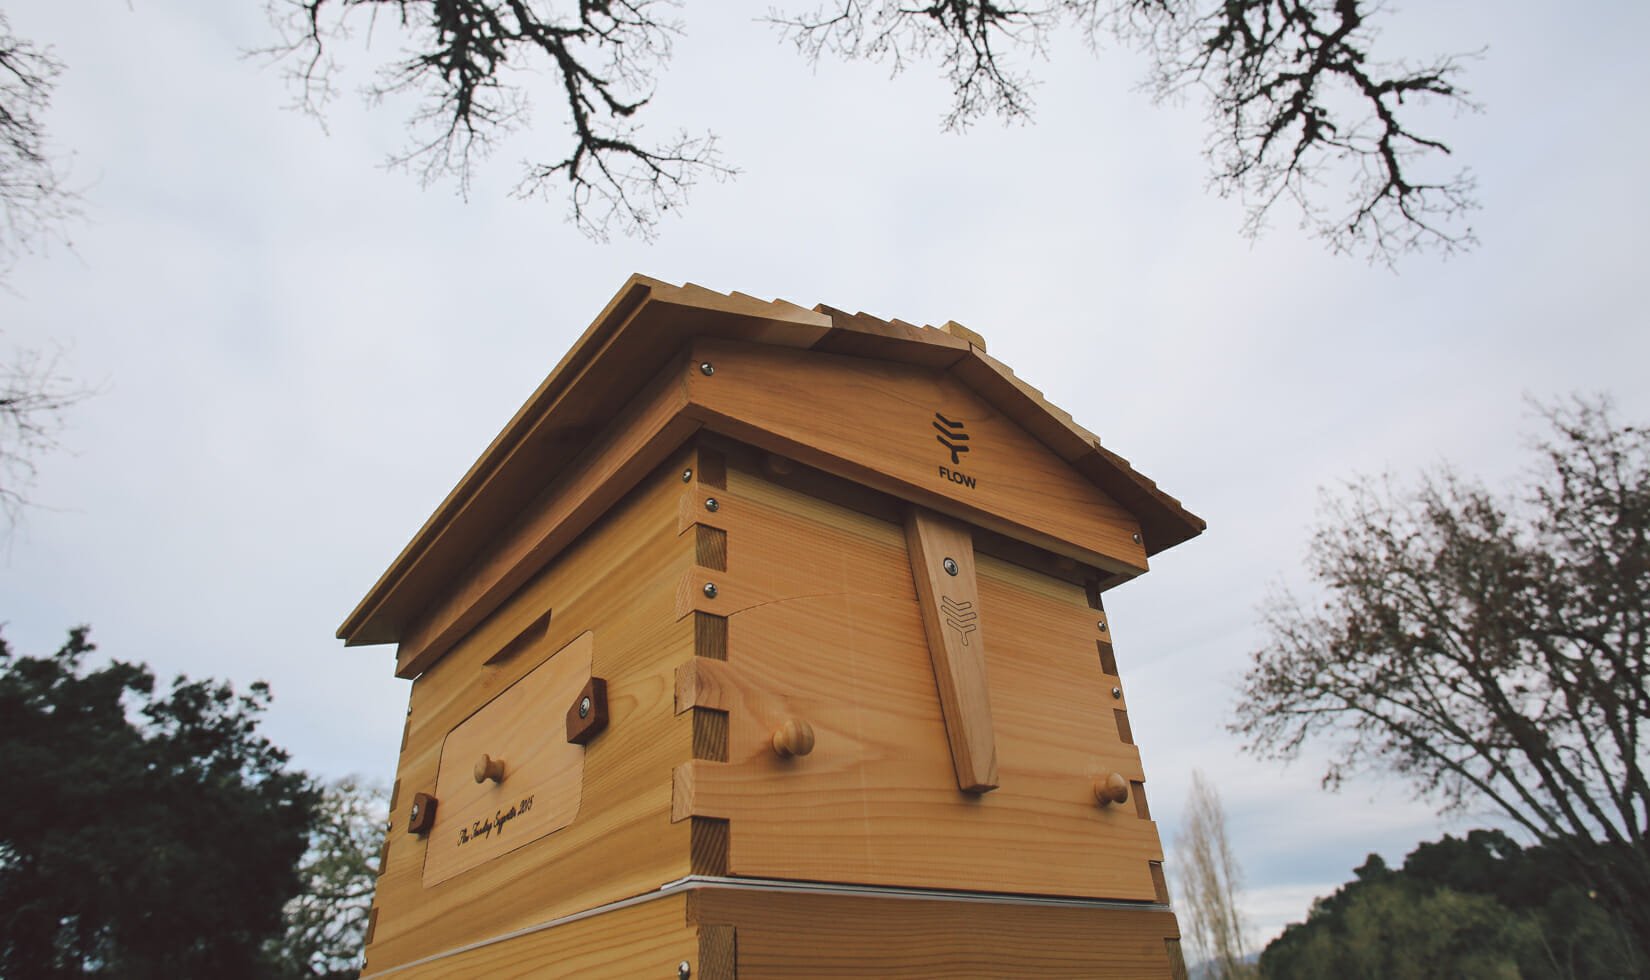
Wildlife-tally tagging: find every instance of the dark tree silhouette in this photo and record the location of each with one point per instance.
(1476, 906)
(145, 833)
(1301, 108)
(1491, 648)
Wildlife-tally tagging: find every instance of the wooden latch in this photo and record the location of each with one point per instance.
(942, 562)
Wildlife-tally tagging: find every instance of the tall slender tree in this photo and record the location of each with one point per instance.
(1209, 880)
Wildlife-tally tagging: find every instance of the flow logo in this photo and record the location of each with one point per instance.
(952, 436)
(960, 616)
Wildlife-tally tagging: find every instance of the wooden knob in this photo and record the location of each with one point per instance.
(488, 767)
(1111, 788)
(795, 737)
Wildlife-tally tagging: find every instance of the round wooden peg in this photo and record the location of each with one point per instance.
(487, 768)
(795, 737)
(1111, 788)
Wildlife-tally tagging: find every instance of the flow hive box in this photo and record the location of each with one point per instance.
(769, 642)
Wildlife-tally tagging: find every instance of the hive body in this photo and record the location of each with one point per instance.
(746, 666)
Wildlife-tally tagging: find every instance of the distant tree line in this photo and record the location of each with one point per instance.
(152, 831)
(1478, 906)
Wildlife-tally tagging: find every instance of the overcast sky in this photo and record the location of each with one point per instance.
(298, 353)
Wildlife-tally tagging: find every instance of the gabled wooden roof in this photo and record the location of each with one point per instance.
(647, 323)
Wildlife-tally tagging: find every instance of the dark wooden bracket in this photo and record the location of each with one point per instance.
(421, 815)
(587, 715)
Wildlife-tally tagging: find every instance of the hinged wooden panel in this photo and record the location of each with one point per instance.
(523, 733)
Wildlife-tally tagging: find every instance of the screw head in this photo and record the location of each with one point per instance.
(1117, 693)
(710, 590)
(414, 813)
(684, 970)
(711, 504)
(1101, 625)
(687, 475)
(950, 566)
(1137, 537)
(584, 707)
(706, 368)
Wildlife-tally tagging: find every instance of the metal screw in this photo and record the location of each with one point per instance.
(584, 707)
(710, 590)
(706, 368)
(414, 813)
(711, 504)
(684, 970)
(687, 475)
(1116, 692)
(1137, 537)
(1102, 625)
(950, 565)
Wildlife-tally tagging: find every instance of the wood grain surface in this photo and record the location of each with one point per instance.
(618, 579)
(829, 630)
(646, 940)
(542, 774)
(874, 422)
(942, 564)
(807, 937)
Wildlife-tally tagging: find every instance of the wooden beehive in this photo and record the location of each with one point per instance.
(769, 642)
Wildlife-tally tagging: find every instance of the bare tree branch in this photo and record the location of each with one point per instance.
(971, 39)
(35, 203)
(465, 58)
(1300, 111)
(1493, 649)
(33, 398)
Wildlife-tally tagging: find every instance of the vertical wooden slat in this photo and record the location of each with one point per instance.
(942, 565)
(711, 547)
(709, 846)
(710, 636)
(1177, 960)
(1160, 883)
(718, 953)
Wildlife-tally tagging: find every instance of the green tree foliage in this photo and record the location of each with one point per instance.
(1478, 906)
(326, 923)
(1489, 646)
(145, 834)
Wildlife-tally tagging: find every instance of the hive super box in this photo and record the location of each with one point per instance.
(769, 642)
